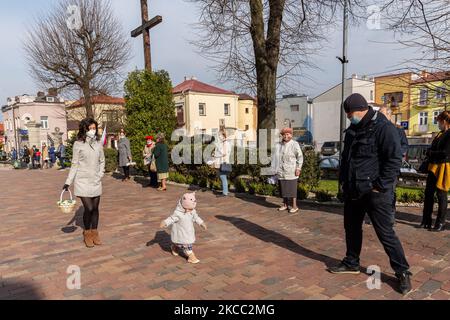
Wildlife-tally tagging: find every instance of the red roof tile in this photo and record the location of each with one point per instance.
(100, 99)
(245, 96)
(436, 76)
(197, 86)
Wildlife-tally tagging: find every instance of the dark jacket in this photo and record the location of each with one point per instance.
(372, 156)
(440, 149)
(161, 153)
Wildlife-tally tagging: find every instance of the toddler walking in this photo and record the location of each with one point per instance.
(183, 231)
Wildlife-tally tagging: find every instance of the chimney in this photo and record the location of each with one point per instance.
(53, 92)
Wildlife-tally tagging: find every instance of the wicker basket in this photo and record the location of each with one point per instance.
(66, 206)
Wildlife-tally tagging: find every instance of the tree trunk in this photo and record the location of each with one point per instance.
(266, 94)
(87, 102)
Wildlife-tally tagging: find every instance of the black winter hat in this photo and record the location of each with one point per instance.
(355, 102)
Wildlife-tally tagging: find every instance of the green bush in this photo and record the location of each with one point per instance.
(310, 175)
(302, 191)
(110, 159)
(216, 184)
(253, 187)
(177, 177)
(410, 196)
(240, 185)
(323, 195)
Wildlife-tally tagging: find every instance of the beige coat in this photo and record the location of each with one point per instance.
(289, 158)
(88, 168)
(222, 153)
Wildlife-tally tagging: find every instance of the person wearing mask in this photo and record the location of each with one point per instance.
(289, 165)
(61, 154)
(371, 160)
(149, 159)
(222, 161)
(86, 173)
(161, 153)
(438, 180)
(124, 154)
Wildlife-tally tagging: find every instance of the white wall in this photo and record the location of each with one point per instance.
(283, 112)
(326, 109)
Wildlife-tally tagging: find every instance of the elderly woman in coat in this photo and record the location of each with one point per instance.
(289, 161)
(86, 173)
(124, 154)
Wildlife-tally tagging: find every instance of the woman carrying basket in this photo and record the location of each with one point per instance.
(88, 168)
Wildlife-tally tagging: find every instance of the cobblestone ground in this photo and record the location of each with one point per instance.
(250, 251)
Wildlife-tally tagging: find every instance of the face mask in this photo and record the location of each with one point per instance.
(355, 120)
(149, 142)
(122, 135)
(91, 133)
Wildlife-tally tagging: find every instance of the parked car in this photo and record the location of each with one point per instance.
(416, 154)
(330, 148)
(329, 167)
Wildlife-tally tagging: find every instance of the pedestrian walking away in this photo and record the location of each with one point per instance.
(438, 180)
(222, 160)
(124, 154)
(370, 164)
(86, 173)
(183, 232)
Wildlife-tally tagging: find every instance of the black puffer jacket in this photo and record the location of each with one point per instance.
(372, 156)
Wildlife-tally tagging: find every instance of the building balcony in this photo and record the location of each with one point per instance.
(424, 128)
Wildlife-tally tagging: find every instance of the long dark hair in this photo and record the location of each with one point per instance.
(84, 128)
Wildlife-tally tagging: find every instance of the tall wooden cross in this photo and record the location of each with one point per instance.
(144, 29)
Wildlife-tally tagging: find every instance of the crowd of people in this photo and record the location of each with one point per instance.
(371, 161)
(44, 158)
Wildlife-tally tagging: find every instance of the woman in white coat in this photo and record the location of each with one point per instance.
(88, 168)
(289, 167)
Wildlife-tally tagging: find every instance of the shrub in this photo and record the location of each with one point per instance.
(240, 185)
(253, 187)
(323, 195)
(110, 159)
(302, 191)
(216, 184)
(310, 170)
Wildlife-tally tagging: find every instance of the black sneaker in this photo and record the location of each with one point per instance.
(342, 268)
(405, 281)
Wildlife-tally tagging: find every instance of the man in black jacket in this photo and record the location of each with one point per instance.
(370, 164)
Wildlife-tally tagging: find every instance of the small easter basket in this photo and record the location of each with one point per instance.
(66, 206)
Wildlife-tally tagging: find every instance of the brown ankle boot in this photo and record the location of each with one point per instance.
(96, 237)
(88, 238)
(192, 258)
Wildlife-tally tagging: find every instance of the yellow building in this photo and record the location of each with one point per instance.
(429, 97)
(393, 90)
(248, 117)
(205, 109)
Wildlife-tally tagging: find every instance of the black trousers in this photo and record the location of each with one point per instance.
(379, 208)
(430, 190)
(126, 171)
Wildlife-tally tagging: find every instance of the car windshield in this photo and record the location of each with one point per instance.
(329, 144)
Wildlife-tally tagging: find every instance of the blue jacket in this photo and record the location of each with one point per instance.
(372, 156)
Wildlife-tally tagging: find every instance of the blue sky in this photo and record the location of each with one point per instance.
(368, 52)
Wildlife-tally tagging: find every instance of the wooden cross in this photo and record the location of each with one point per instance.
(144, 29)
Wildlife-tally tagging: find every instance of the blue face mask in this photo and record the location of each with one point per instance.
(355, 120)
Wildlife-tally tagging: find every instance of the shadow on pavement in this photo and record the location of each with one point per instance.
(259, 200)
(284, 242)
(14, 290)
(76, 221)
(162, 238)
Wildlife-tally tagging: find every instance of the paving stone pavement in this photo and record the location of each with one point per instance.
(250, 250)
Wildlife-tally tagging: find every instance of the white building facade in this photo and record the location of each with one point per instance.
(326, 108)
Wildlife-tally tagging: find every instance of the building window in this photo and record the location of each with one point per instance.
(295, 108)
(423, 97)
(423, 118)
(226, 109)
(371, 95)
(44, 122)
(246, 110)
(246, 127)
(202, 109)
(393, 98)
(111, 116)
(435, 115)
(440, 93)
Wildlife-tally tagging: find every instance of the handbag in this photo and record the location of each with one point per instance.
(226, 167)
